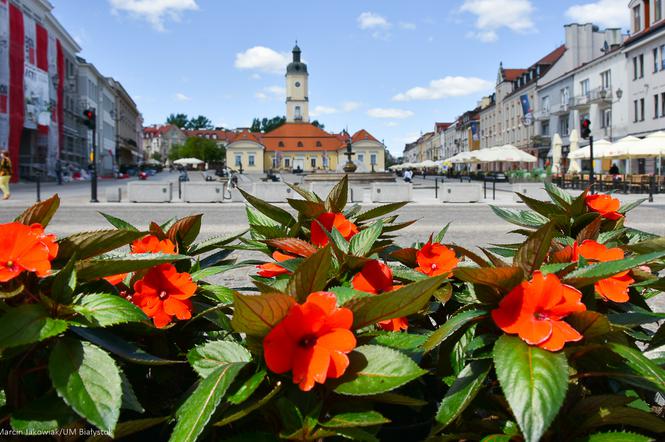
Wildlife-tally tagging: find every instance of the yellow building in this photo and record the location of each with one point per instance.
(298, 144)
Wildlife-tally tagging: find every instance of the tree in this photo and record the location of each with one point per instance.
(201, 148)
(256, 125)
(319, 125)
(200, 122)
(267, 124)
(390, 159)
(157, 156)
(178, 120)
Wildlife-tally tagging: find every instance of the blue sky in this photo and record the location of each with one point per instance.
(392, 67)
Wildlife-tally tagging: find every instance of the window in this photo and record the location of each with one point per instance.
(635, 111)
(563, 125)
(545, 128)
(655, 60)
(662, 57)
(318, 144)
(658, 13)
(606, 79)
(251, 159)
(287, 162)
(545, 103)
(313, 162)
(280, 144)
(641, 64)
(637, 18)
(361, 158)
(606, 118)
(275, 163)
(662, 104)
(641, 109)
(238, 160)
(656, 107)
(300, 144)
(372, 159)
(565, 96)
(298, 114)
(584, 87)
(634, 68)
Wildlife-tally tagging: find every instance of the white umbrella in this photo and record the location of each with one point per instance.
(621, 148)
(651, 146)
(463, 157)
(556, 154)
(574, 145)
(428, 163)
(188, 161)
(510, 153)
(600, 150)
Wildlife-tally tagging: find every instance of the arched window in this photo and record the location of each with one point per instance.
(318, 144)
(280, 144)
(300, 144)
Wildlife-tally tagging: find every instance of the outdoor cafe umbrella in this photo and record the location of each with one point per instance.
(601, 149)
(651, 146)
(188, 161)
(510, 153)
(574, 145)
(556, 154)
(620, 149)
(427, 164)
(463, 157)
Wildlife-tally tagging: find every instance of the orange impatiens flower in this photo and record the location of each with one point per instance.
(147, 244)
(605, 205)
(164, 293)
(270, 269)
(25, 248)
(435, 259)
(376, 277)
(312, 341)
(534, 310)
(614, 288)
(329, 221)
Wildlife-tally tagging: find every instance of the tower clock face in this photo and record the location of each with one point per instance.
(297, 84)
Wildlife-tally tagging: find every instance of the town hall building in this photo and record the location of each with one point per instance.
(298, 145)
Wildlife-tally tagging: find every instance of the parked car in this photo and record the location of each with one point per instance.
(143, 175)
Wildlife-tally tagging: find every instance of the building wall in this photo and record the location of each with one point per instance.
(366, 151)
(245, 151)
(287, 161)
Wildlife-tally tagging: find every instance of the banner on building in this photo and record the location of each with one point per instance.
(37, 98)
(527, 112)
(4, 75)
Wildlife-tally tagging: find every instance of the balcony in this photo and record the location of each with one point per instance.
(561, 109)
(601, 95)
(582, 101)
(542, 114)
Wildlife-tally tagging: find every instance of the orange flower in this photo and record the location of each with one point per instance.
(270, 269)
(535, 310)
(376, 277)
(435, 259)
(164, 293)
(25, 248)
(312, 341)
(329, 221)
(614, 288)
(605, 205)
(147, 244)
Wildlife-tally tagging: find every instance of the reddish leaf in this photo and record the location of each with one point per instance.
(256, 315)
(185, 230)
(406, 256)
(40, 213)
(293, 245)
(501, 278)
(157, 231)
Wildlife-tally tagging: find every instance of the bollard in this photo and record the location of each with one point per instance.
(494, 189)
(179, 188)
(436, 188)
(651, 180)
(39, 187)
(484, 188)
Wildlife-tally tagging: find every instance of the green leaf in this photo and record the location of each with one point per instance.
(533, 252)
(64, 282)
(442, 233)
(559, 195)
(249, 408)
(402, 302)
(353, 419)
(362, 242)
(345, 294)
(3, 398)
(311, 276)
(463, 391)
(595, 272)
(501, 278)
(309, 196)
(218, 293)
(641, 365)
(620, 416)
(40, 213)
(207, 357)
(544, 208)
(625, 208)
(590, 324)
(105, 309)
(635, 317)
(648, 246)
(47, 413)
(88, 380)
(308, 209)
(184, 231)
(129, 399)
(534, 382)
(293, 245)
(247, 388)
(89, 244)
(281, 216)
(114, 264)
(256, 315)
(338, 196)
(619, 436)
(521, 218)
(406, 342)
(118, 223)
(452, 325)
(128, 351)
(374, 369)
(406, 274)
(407, 256)
(380, 211)
(216, 242)
(27, 324)
(194, 414)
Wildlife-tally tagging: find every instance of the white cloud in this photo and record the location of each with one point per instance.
(154, 11)
(607, 13)
(182, 97)
(371, 20)
(492, 15)
(262, 59)
(407, 26)
(271, 92)
(444, 88)
(379, 112)
(350, 106)
(323, 110)
(255, 76)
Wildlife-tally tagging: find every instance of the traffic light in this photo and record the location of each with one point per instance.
(90, 118)
(586, 128)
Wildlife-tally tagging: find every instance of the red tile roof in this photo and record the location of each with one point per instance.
(362, 134)
(644, 32)
(221, 134)
(246, 135)
(513, 74)
(553, 56)
(300, 137)
(156, 130)
(440, 127)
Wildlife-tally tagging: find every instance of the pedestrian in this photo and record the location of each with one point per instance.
(58, 171)
(614, 170)
(5, 174)
(408, 175)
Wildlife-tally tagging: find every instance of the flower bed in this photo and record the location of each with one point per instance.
(343, 335)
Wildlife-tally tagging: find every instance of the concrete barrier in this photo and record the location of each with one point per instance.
(273, 192)
(113, 194)
(359, 194)
(532, 190)
(235, 195)
(321, 189)
(202, 192)
(149, 192)
(391, 192)
(461, 192)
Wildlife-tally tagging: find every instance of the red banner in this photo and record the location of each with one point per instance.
(16, 98)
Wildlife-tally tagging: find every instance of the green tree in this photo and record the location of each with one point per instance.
(319, 125)
(201, 148)
(178, 120)
(256, 125)
(157, 156)
(200, 122)
(267, 124)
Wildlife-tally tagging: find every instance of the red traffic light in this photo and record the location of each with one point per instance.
(89, 118)
(586, 128)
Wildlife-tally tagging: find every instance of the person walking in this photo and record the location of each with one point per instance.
(5, 174)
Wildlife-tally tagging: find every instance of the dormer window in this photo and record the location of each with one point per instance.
(280, 144)
(300, 144)
(318, 144)
(637, 18)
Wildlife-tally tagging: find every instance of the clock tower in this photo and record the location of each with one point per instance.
(297, 99)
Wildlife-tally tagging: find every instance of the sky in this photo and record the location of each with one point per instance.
(392, 67)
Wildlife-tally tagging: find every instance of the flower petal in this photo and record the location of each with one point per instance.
(278, 349)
